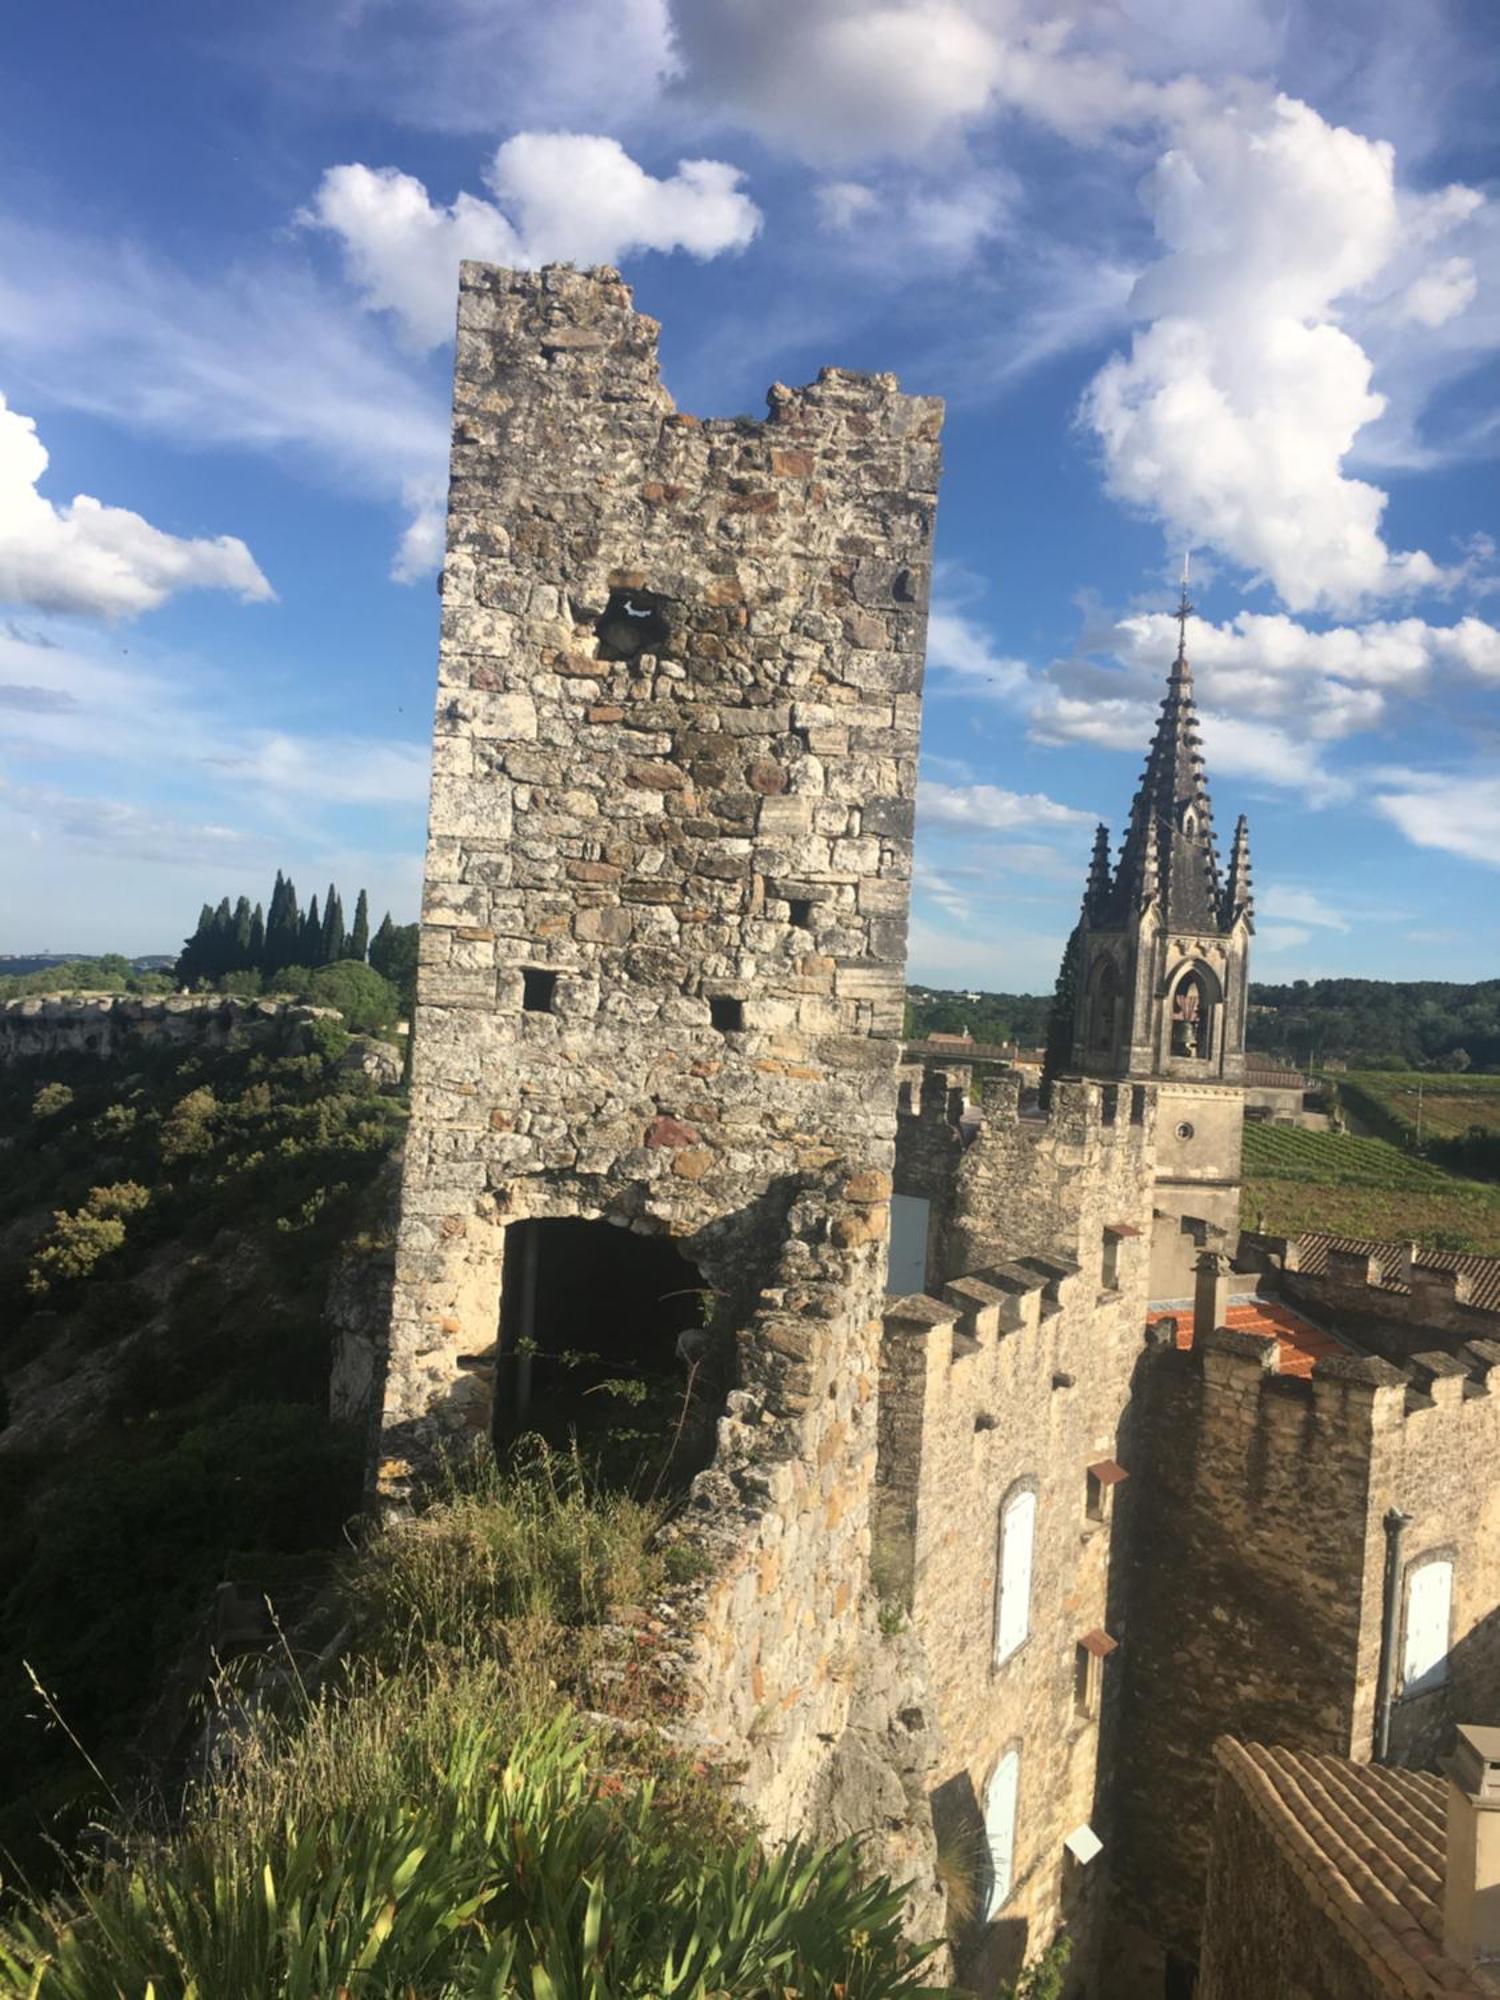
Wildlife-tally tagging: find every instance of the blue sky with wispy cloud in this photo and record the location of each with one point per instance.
(1226, 276)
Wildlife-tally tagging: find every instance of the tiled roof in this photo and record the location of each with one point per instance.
(1368, 1844)
(1271, 1076)
(1482, 1272)
(1300, 1342)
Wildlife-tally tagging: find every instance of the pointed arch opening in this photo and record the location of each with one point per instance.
(1104, 1009)
(1193, 1009)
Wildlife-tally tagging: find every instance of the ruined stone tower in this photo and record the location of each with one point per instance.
(667, 872)
(1163, 973)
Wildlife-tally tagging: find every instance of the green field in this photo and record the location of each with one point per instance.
(1297, 1181)
(1442, 1106)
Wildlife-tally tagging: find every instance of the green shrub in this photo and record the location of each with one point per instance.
(76, 1242)
(367, 1002)
(405, 1840)
(50, 1099)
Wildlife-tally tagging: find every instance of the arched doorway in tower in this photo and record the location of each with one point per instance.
(605, 1342)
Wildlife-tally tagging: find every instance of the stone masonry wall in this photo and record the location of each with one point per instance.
(96, 1024)
(698, 844)
(1255, 1600)
(722, 822)
(1016, 1375)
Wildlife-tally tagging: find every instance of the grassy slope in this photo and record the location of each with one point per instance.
(166, 1418)
(1297, 1181)
(1448, 1105)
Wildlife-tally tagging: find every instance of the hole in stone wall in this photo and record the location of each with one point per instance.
(632, 622)
(799, 912)
(603, 1340)
(538, 989)
(728, 1016)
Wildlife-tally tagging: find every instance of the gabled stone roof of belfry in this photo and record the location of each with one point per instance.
(1368, 1845)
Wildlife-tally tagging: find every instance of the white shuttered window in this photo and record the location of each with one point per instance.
(1013, 1574)
(1429, 1607)
(1000, 1830)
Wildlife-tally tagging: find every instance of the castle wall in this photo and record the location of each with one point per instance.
(663, 939)
(100, 1024)
(1256, 1587)
(718, 829)
(1014, 1376)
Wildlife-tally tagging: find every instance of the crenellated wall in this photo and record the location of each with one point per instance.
(1256, 1587)
(1016, 1376)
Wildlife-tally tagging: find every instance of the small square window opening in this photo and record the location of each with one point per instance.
(728, 1016)
(799, 912)
(538, 989)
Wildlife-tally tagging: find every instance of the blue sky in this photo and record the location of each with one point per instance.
(1230, 281)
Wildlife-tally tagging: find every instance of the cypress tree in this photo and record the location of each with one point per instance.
(284, 936)
(242, 923)
(257, 939)
(359, 938)
(333, 927)
(221, 941)
(1058, 1051)
(311, 952)
(381, 945)
(190, 965)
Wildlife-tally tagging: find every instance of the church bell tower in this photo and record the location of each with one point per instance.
(1163, 971)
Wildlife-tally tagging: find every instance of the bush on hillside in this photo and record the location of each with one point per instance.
(367, 1002)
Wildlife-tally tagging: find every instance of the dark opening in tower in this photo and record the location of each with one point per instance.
(604, 1340)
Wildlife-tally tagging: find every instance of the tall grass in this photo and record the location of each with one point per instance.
(544, 1546)
(446, 1824)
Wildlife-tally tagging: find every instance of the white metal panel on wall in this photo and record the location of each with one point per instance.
(1000, 1801)
(1013, 1605)
(1429, 1609)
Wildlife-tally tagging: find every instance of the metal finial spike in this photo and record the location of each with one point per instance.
(1185, 609)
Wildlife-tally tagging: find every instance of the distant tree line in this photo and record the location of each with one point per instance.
(279, 948)
(1378, 1023)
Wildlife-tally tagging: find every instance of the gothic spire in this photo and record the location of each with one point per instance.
(1096, 895)
(1172, 814)
(1239, 897)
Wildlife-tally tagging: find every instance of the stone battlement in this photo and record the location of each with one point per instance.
(1397, 1298)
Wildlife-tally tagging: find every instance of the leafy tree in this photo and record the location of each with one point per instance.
(367, 1001)
(257, 957)
(381, 944)
(359, 938)
(1059, 1045)
(312, 936)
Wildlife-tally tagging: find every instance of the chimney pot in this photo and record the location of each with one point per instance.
(1471, 1900)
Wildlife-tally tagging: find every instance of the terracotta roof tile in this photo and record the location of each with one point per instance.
(1299, 1342)
(1368, 1846)
(1482, 1272)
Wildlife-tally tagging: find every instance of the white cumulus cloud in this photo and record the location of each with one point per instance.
(988, 809)
(1232, 415)
(96, 560)
(1454, 813)
(560, 196)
